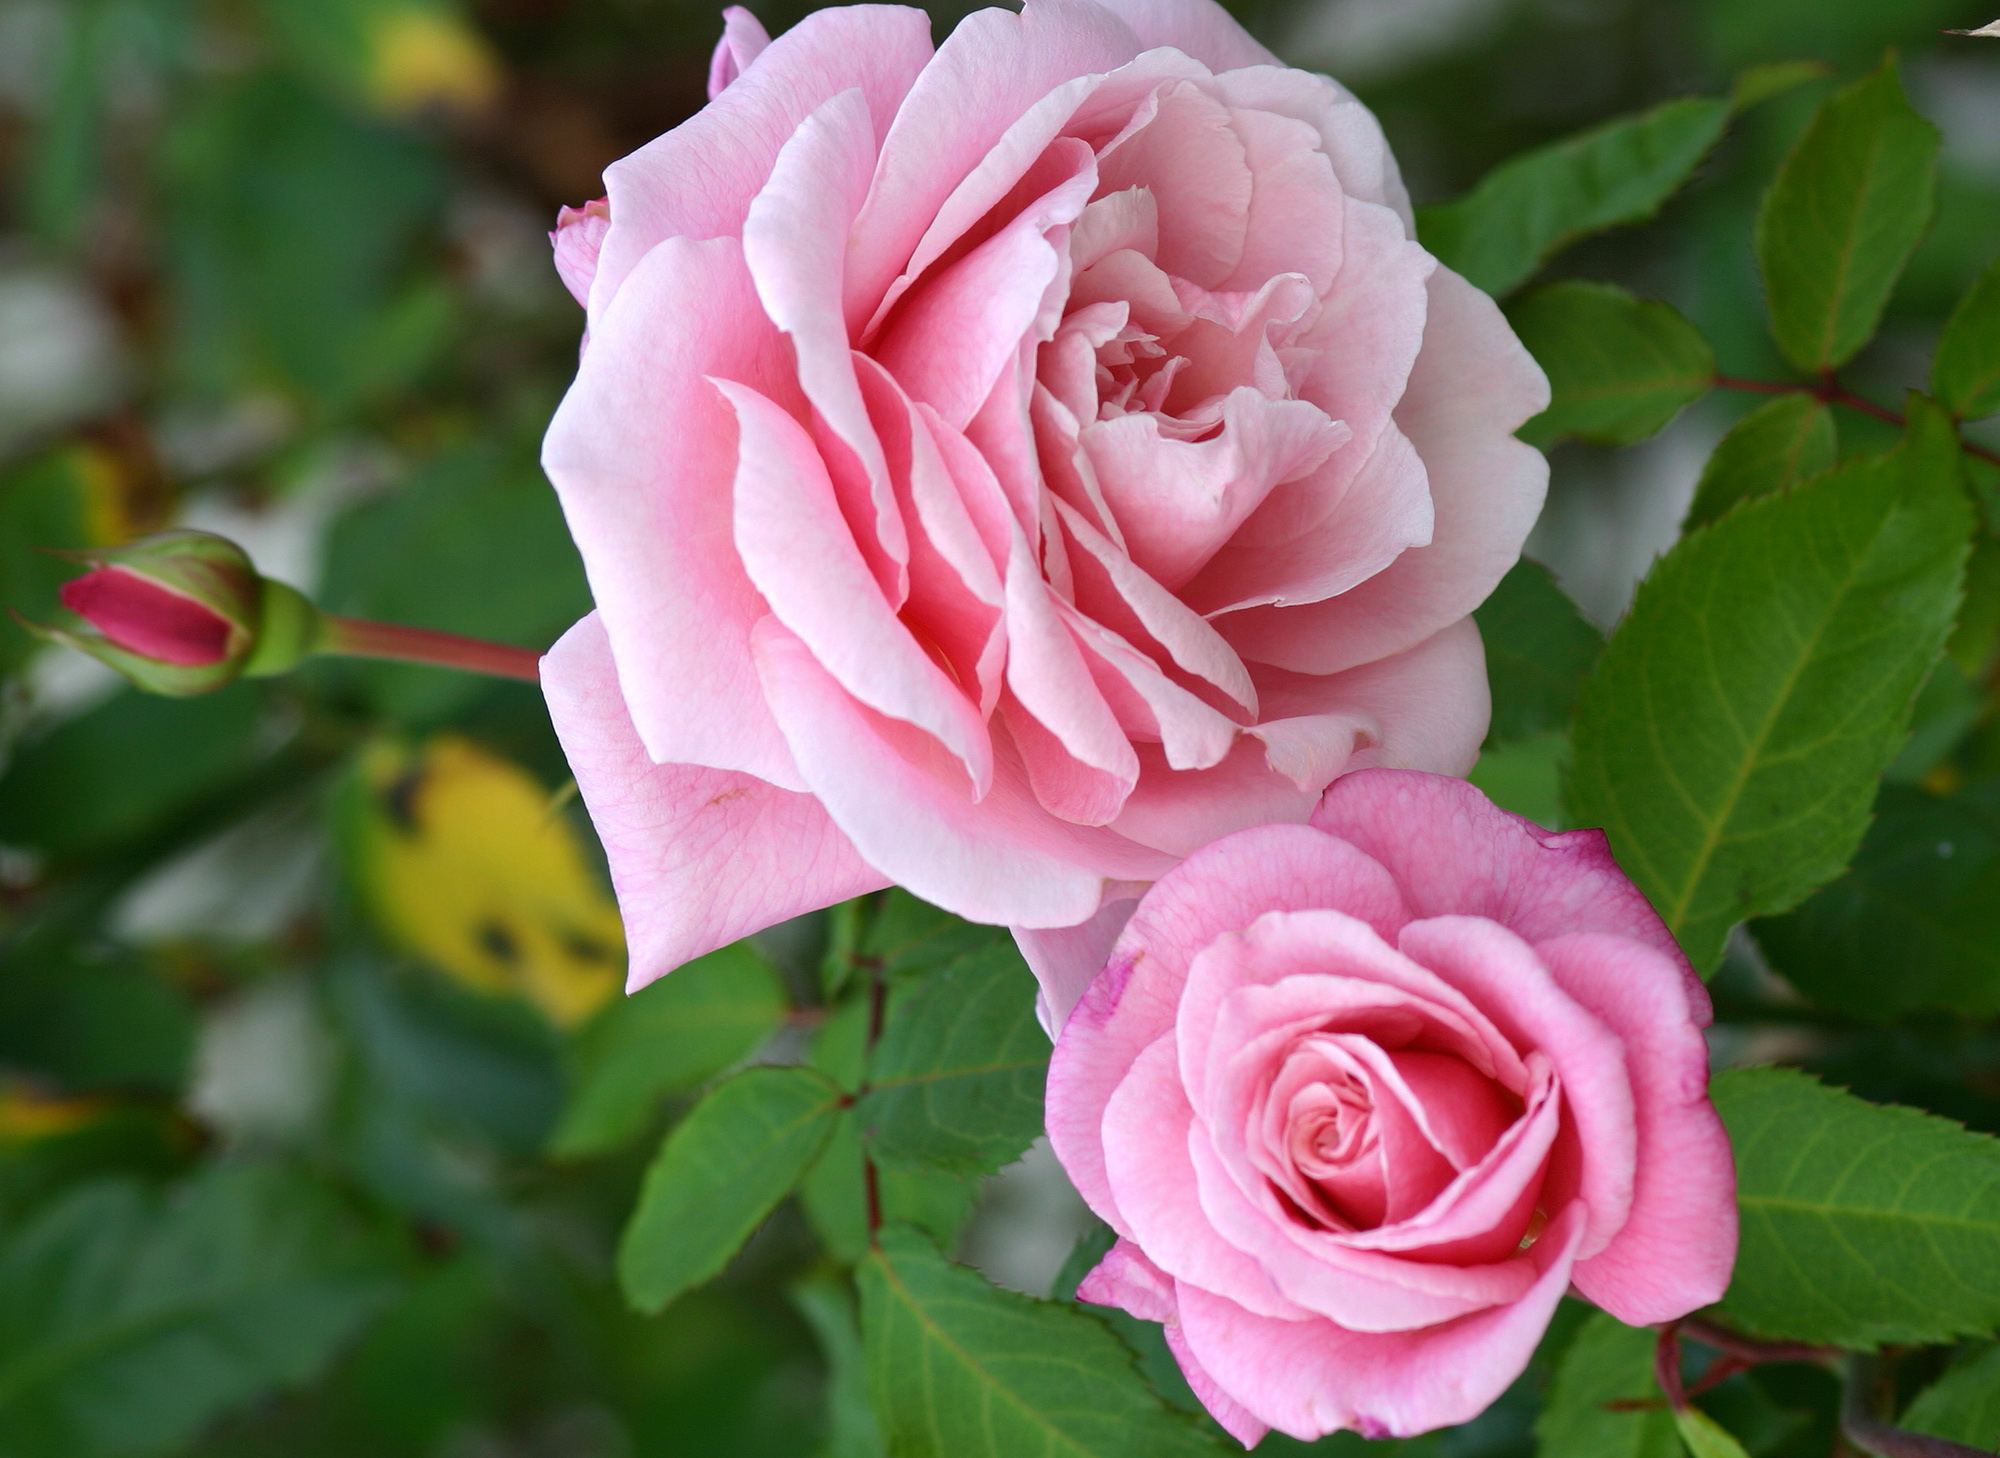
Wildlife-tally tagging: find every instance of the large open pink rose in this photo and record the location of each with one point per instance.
(1363, 1098)
(1005, 469)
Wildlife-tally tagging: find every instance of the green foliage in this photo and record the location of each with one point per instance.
(1846, 212)
(956, 1081)
(80, 788)
(1772, 449)
(829, 1309)
(1705, 1437)
(1862, 1224)
(92, 1023)
(1922, 896)
(834, 1195)
(1535, 205)
(960, 1369)
(1619, 367)
(1606, 1362)
(127, 1322)
(46, 504)
(1963, 1405)
(1525, 777)
(1965, 373)
(669, 1036)
(1788, 691)
(719, 1173)
(1538, 650)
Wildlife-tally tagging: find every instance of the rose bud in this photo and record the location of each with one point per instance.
(1363, 1098)
(185, 612)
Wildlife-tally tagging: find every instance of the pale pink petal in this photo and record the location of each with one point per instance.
(951, 337)
(642, 452)
(1294, 222)
(1453, 851)
(1200, 28)
(1677, 1248)
(796, 547)
(1502, 974)
(1310, 1378)
(1237, 1420)
(1196, 165)
(1179, 502)
(699, 857)
(985, 82)
(1427, 708)
(1348, 131)
(697, 180)
(578, 236)
(909, 809)
(743, 40)
(795, 242)
(1066, 959)
(1472, 385)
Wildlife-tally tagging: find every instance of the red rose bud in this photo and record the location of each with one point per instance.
(185, 613)
(142, 617)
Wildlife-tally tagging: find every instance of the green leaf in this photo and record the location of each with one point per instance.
(1525, 777)
(1784, 645)
(671, 1035)
(834, 1196)
(1977, 635)
(1965, 372)
(1147, 1339)
(1619, 367)
(1538, 651)
(719, 1173)
(1531, 207)
(1759, 84)
(84, 787)
(958, 1368)
(1862, 1223)
(956, 1081)
(1922, 898)
(1705, 1437)
(1607, 1362)
(828, 1308)
(127, 1322)
(1846, 212)
(53, 500)
(1963, 1405)
(1773, 448)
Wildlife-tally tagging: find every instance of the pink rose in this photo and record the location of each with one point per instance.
(1363, 1098)
(1004, 469)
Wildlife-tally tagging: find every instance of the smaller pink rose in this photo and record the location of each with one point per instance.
(1364, 1098)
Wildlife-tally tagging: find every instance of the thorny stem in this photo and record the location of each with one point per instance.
(1858, 1422)
(1832, 392)
(1871, 1435)
(360, 638)
(871, 1180)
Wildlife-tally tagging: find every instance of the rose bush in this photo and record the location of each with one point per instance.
(1363, 1098)
(1002, 470)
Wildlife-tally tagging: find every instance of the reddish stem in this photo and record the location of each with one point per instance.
(360, 638)
(1833, 393)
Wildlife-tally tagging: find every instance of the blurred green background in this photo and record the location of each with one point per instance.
(295, 980)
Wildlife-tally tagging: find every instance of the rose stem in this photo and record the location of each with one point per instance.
(878, 1005)
(1832, 392)
(1866, 1432)
(359, 638)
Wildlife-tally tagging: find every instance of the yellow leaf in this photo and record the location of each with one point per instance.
(26, 1116)
(423, 56)
(462, 860)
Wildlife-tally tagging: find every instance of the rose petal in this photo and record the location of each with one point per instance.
(1310, 1378)
(642, 452)
(699, 857)
(743, 40)
(1677, 1248)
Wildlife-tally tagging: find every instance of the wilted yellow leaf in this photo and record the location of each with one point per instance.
(26, 1116)
(423, 56)
(463, 860)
